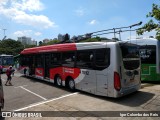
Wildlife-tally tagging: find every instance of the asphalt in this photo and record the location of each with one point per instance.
(141, 105)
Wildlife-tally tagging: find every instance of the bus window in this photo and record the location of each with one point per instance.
(148, 54)
(55, 59)
(85, 59)
(102, 58)
(39, 60)
(68, 59)
(25, 60)
(129, 51)
(0, 60)
(130, 55)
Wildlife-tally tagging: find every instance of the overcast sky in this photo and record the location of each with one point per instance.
(40, 19)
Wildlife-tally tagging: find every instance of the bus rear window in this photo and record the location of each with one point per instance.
(130, 54)
(131, 64)
(130, 51)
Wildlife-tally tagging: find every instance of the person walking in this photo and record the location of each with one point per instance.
(9, 77)
(1, 71)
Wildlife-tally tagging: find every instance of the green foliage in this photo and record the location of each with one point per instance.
(29, 46)
(155, 12)
(96, 39)
(152, 25)
(10, 46)
(40, 43)
(51, 42)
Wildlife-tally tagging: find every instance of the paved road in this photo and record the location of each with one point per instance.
(31, 95)
(26, 91)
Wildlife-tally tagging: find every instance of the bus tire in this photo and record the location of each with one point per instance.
(71, 84)
(58, 80)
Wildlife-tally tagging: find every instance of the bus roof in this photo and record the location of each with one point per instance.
(144, 41)
(50, 48)
(65, 47)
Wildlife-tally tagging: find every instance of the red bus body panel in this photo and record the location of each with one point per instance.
(50, 48)
(64, 72)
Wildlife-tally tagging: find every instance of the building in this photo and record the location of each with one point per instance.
(27, 40)
(55, 39)
(60, 37)
(34, 42)
(46, 40)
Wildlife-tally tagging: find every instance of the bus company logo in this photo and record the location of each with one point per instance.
(69, 70)
(39, 72)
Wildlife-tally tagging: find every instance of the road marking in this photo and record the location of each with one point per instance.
(43, 102)
(20, 86)
(32, 92)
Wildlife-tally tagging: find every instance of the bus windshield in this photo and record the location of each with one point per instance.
(130, 56)
(7, 60)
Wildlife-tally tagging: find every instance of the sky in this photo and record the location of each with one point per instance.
(45, 19)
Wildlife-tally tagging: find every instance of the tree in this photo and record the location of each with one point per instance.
(96, 39)
(10, 46)
(30, 46)
(66, 37)
(40, 43)
(51, 42)
(152, 24)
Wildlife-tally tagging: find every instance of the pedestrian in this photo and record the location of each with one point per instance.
(1, 70)
(9, 77)
(13, 70)
(25, 70)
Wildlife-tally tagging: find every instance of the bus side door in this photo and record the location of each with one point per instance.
(87, 76)
(47, 66)
(102, 61)
(102, 82)
(88, 82)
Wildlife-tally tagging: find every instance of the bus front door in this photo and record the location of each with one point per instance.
(46, 66)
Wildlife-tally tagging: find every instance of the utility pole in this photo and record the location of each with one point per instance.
(4, 31)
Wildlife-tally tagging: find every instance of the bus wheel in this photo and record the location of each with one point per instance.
(71, 84)
(58, 81)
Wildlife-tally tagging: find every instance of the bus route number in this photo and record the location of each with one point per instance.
(85, 72)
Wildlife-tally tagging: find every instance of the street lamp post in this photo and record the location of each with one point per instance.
(4, 31)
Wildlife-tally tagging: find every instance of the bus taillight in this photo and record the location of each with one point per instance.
(117, 82)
